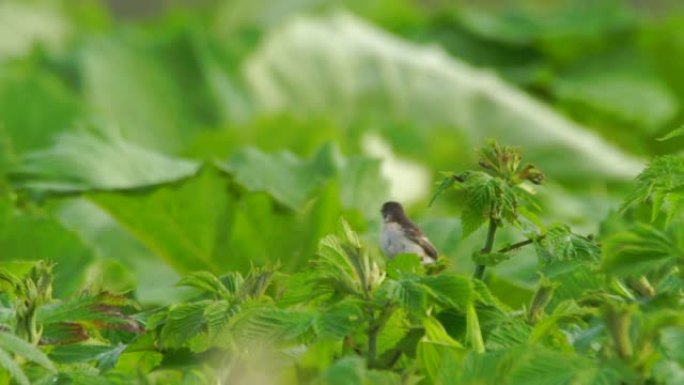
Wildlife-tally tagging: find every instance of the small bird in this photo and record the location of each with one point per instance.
(400, 236)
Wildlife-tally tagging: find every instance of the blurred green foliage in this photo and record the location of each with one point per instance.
(142, 141)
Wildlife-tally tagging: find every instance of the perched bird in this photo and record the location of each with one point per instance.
(400, 236)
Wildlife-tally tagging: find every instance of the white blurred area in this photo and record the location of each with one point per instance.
(409, 181)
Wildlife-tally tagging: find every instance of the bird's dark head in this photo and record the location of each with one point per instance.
(392, 212)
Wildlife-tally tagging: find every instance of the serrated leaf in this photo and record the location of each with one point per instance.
(273, 324)
(446, 183)
(183, 322)
(662, 180)
(561, 244)
(403, 264)
(206, 282)
(448, 288)
(641, 249)
(339, 320)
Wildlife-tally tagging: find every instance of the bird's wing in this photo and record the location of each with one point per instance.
(413, 233)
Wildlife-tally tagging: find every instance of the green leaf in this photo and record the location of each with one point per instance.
(407, 292)
(546, 367)
(337, 84)
(265, 323)
(473, 331)
(35, 105)
(642, 249)
(13, 368)
(438, 353)
(124, 263)
(677, 132)
(287, 178)
(206, 282)
(451, 289)
(103, 306)
(560, 22)
(134, 91)
(84, 161)
(349, 370)
(561, 244)
(345, 265)
(614, 87)
(668, 372)
(663, 182)
(106, 356)
(362, 184)
(28, 236)
(183, 224)
(18, 346)
(183, 322)
(339, 320)
(446, 183)
(404, 264)
(672, 340)
(509, 333)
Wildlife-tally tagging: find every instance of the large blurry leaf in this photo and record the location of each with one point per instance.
(284, 176)
(137, 93)
(344, 67)
(180, 223)
(558, 20)
(23, 25)
(85, 161)
(626, 93)
(346, 371)
(34, 106)
(291, 180)
(117, 247)
(30, 237)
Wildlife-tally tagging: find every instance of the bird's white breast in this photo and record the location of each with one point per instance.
(393, 241)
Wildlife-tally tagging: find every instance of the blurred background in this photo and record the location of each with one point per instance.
(140, 140)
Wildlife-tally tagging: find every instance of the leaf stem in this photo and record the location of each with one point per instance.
(491, 233)
(373, 330)
(520, 244)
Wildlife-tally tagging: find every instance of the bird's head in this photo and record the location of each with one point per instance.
(392, 212)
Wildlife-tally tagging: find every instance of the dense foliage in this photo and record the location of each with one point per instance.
(191, 194)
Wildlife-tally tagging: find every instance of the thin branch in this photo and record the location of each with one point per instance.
(491, 233)
(520, 244)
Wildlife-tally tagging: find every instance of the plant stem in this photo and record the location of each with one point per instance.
(491, 232)
(372, 337)
(520, 244)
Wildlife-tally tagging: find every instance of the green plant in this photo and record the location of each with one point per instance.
(602, 313)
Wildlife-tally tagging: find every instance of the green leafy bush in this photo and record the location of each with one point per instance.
(189, 192)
